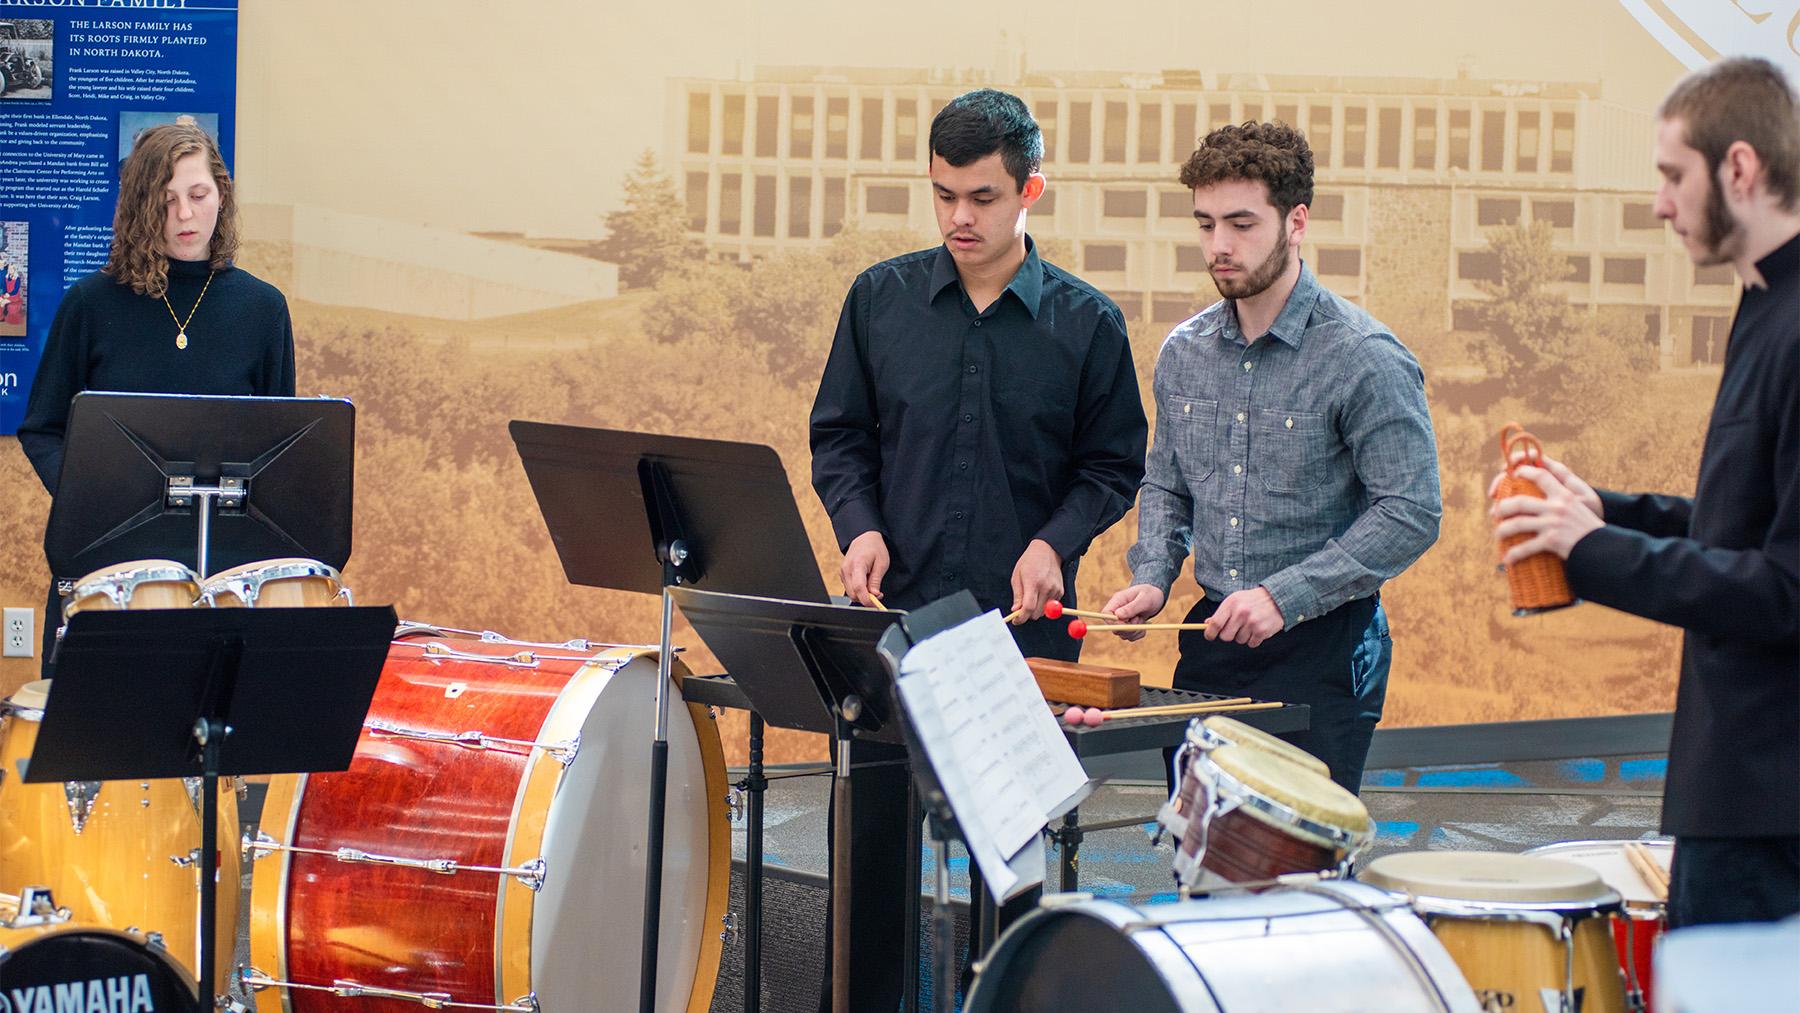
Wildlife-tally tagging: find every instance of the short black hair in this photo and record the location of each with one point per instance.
(978, 123)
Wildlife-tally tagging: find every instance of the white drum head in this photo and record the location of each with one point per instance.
(587, 924)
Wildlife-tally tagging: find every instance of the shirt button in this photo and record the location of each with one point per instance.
(1237, 469)
(1234, 522)
(967, 417)
(962, 466)
(1186, 408)
(957, 515)
(1289, 423)
(1232, 572)
(978, 323)
(1240, 416)
(1300, 618)
(950, 576)
(1248, 365)
(974, 368)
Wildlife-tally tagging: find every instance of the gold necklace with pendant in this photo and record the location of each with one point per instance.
(180, 324)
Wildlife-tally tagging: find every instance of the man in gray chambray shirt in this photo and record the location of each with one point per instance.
(1293, 457)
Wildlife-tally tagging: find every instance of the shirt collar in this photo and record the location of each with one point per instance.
(1290, 324)
(1027, 283)
(1781, 262)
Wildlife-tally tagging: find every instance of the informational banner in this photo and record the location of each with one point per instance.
(79, 79)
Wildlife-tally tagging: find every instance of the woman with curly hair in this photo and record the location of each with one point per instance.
(169, 313)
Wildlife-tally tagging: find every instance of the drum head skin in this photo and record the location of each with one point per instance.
(1486, 876)
(1240, 734)
(32, 696)
(1310, 794)
(87, 969)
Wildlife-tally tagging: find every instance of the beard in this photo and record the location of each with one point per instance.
(1721, 229)
(1257, 281)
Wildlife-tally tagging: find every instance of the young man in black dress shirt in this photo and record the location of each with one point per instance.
(1725, 564)
(977, 425)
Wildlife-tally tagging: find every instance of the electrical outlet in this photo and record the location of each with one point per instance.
(15, 633)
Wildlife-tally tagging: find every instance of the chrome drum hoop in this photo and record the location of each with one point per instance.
(1230, 793)
(119, 586)
(248, 586)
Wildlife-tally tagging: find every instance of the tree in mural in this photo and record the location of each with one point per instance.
(648, 237)
(1578, 366)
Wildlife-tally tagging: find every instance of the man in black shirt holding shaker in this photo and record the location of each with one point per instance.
(1725, 564)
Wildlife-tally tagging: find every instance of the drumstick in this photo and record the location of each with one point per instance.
(1056, 610)
(1014, 614)
(1191, 708)
(1227, 702)
(1648, 869)
(1079, 629)
(876, 599)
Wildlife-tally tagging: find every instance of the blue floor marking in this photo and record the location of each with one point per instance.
(1384, 778)
(1396, 831)
(1493, 777)
(1644, 770)
(1583, 771)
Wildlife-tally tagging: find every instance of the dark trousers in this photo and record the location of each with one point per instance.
(1336, 664)
(1718, 880)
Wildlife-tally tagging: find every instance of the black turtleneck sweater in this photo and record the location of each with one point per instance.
(107, 337)
(1725, 567)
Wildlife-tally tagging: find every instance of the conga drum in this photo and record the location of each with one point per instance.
(1219, 730)
(275, 583)
(487, 844)
(1243, 814)
(118, 854)
(1527, 932)
(1646, 917)
(1329, 947)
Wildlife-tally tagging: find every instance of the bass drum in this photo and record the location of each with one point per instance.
(1325, 946)
(80, 967)
(120, 854)
(487, 844)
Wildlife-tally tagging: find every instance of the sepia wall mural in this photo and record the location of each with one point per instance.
(647, 218)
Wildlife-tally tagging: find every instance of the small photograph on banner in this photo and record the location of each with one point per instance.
(133, 122)
(15, 273)
(27, 59)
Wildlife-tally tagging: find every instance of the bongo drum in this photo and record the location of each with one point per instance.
(140, 584)
(1244, 815)
(1646, 918)
(275, 583)
(486, 847)
(1328, 947)
(1527, 932)
(118, 854)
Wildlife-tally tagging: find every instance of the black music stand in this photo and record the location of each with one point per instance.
(237, 478)
(643, 512)
(209, 692)
(813, 668)
(936, 617)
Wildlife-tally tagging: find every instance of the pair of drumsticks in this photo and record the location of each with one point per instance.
(1649, 869)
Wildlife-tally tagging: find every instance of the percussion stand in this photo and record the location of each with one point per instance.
(714, 511)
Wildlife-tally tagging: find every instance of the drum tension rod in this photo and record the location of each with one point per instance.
(530, 875)
(256, 981)
(563, 752)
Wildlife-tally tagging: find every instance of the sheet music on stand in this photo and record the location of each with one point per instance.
(1004, 765)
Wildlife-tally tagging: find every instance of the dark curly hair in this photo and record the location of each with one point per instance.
(1273, 153)
(137, 257)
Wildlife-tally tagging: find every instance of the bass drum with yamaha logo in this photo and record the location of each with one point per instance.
(68, 966)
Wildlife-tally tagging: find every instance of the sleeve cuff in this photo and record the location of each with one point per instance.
(855, 518)
(1159, 577)
(1293, 596)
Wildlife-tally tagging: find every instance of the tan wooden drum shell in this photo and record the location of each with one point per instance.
(127, 862)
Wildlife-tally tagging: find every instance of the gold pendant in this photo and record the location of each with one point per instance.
(181, 340)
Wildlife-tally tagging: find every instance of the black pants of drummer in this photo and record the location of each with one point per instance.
(1336, 664)
(1721, 880)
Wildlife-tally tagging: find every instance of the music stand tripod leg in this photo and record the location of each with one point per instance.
(659, 786)
(840, 860)
(755, 784)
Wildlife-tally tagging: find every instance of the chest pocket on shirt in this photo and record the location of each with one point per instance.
(1290, 450)
(1192, 427)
